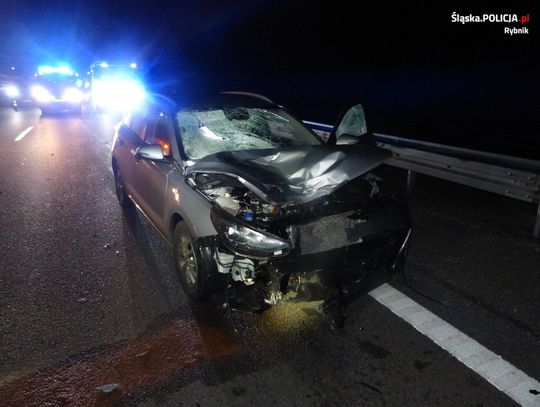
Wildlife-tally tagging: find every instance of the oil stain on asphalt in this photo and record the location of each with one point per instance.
(105, 377)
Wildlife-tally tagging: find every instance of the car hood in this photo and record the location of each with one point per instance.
(294, 174)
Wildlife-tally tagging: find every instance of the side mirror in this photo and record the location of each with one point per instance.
(152, 152)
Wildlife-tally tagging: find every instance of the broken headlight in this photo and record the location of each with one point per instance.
(245, 240)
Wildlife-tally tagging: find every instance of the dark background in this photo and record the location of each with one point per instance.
(417, 74)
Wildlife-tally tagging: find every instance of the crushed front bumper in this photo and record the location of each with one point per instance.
(353, 269)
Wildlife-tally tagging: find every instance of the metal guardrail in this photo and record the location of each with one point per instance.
(512, 177)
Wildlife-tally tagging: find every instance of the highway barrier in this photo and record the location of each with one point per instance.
(513, 177)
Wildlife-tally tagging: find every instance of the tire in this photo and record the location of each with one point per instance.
(193, 271)
(121, 194)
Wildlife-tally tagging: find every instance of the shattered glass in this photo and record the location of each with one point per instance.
(205, 132)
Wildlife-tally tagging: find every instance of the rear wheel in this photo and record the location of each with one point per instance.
(192, 270)
(121, 194)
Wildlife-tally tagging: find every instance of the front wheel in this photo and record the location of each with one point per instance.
(192, 270)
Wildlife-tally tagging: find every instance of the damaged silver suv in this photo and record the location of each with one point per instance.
(256, 206)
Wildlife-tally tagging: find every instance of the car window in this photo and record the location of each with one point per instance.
(136, 121)
(159, 131)
(210, 131)
(148, 131)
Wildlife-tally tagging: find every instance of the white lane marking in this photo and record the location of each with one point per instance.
(24, 133)
(497, 371)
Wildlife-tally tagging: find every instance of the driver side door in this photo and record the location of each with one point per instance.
(151, 176)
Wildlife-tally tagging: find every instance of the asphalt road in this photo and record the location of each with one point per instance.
(91, 311)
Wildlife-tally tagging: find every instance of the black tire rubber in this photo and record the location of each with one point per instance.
(121, 194)
(192, 270)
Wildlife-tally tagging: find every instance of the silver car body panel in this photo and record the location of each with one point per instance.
(159, 189)
(192, 207)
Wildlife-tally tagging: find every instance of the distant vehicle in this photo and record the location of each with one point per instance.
(14, 91)
(57, 89)
(114, 87)
(244, 192)
(10, 93)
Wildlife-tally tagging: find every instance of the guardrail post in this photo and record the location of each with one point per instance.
(537, 224)
(411, 179)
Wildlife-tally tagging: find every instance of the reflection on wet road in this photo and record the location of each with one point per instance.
(125, 368)
(172, 349)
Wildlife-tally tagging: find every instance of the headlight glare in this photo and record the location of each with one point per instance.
(12, 91)
(41, 94)
(72, 95)
(118, 94)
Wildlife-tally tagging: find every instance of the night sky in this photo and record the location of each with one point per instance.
(417, 74)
